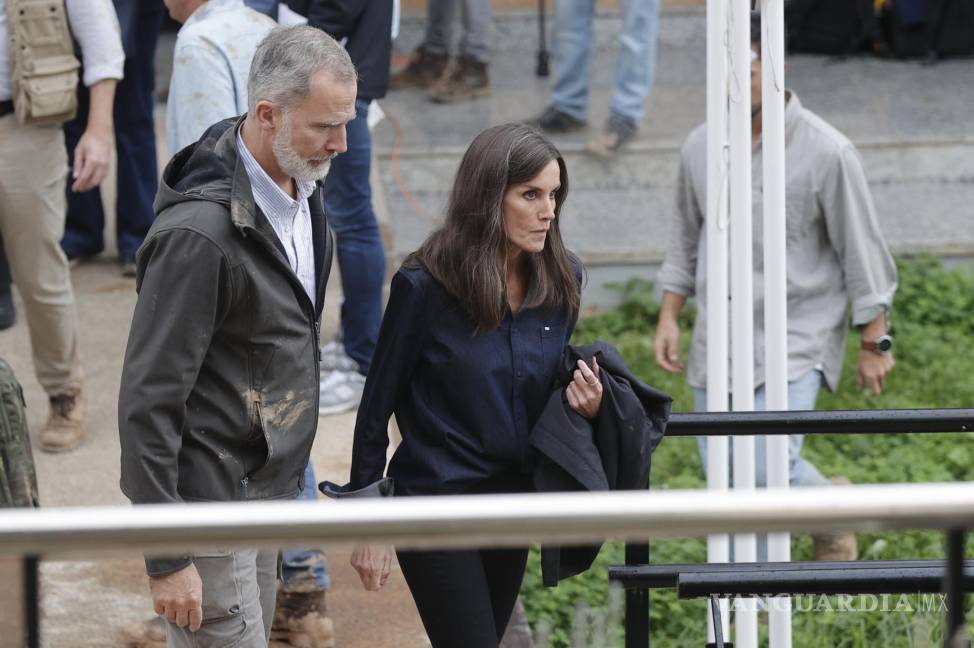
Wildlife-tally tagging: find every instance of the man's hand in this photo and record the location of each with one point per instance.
(666, 344)
(179, 597)
(373, 564)
(94, 149)
(91, 158)
(873, 369)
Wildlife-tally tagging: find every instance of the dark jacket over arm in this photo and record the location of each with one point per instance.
(610, 453)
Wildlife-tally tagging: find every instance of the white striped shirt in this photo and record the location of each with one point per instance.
(290, 218)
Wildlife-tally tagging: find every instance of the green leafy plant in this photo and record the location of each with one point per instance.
(933, 316)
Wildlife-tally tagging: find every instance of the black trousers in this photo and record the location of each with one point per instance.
(465, 597)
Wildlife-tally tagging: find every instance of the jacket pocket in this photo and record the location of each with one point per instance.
(262, 431)
(47, 91)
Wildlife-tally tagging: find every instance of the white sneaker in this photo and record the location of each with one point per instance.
(340, 391)
(334, 358)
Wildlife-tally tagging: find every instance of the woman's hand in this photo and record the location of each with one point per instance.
(584, 392)
(373, 564)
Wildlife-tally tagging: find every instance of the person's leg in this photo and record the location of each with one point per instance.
(505, 571)
(32, 172)
(135, 137)
(573, 56)
(304, 569)
(452, 594)
(802, 394)
(266, 565)
(361, 257)
(300, 616)
(636, 62)
(85, 222)
(232, 602)
(439, 26)
(476, 23)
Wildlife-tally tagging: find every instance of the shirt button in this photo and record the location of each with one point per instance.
(519, 374)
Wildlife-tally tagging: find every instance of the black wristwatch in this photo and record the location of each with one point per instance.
(882, 344)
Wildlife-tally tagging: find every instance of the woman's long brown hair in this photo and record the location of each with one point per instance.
(466, 254)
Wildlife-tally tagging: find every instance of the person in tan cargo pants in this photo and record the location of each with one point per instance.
(36, 54)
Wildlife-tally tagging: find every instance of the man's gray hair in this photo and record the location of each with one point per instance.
(286, 60)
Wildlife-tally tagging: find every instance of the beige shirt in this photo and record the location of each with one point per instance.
(836, 254)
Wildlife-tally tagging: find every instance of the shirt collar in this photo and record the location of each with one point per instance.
(279, 201)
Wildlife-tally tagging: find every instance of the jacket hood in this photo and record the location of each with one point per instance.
(210, 170)
(202, 170)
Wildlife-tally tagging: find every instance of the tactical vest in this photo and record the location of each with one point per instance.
(43, 67)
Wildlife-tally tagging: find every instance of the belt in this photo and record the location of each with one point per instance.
(6, 107)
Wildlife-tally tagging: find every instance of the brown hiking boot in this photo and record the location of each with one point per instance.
(300, 620)
(65, 427)
(423, 69)
(836, 546)
(465, 78)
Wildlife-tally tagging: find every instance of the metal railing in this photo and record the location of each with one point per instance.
(481, 520)
(516, 520)
(805, 422)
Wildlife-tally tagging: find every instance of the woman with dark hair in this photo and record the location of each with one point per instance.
(477, 322)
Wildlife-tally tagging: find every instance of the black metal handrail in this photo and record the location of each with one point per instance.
(899, 421)
(896, 421)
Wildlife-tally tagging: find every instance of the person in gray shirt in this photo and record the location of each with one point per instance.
(836, 258)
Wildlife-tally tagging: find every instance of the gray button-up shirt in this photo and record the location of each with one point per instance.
(290, 218)
(836, 254)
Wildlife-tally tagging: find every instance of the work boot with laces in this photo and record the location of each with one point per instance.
(65, 427)
(423, 69)
(300, 619)
(465, 78)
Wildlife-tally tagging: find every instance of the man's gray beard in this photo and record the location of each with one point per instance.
(290, 162)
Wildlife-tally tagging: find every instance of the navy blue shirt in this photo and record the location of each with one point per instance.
(464, 401)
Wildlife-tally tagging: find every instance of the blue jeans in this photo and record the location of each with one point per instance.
(135, 143)
(802, 394)
(267, 7)
(361, 257)
(635, 65)
(302, 566)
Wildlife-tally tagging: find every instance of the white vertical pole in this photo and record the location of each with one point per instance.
(742, 287)
(775, 280)
(718, 545)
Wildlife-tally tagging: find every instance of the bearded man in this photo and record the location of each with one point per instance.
(220, 382)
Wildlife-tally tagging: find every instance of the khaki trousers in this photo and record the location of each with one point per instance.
(239, 592)
(33, 172)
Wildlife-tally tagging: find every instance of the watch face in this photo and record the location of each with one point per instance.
(884, 343)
